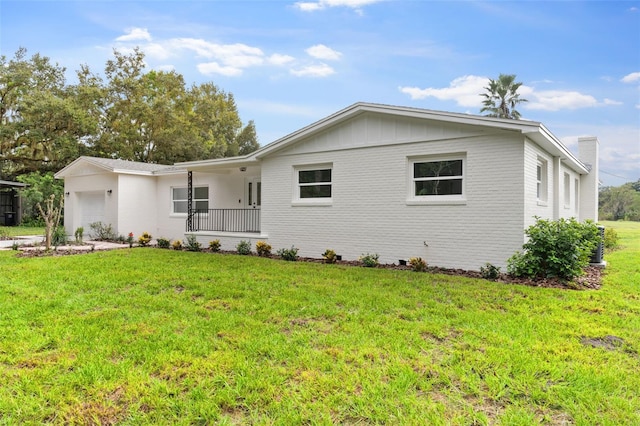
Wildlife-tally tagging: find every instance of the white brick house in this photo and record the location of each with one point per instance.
(455, 189)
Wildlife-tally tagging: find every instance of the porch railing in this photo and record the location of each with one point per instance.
(224, 220)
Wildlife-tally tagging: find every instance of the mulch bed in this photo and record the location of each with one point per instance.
(591, 280)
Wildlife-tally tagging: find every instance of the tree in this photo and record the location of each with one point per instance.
(247, 139)
(502, 98)
(619, 203)
(40, 187)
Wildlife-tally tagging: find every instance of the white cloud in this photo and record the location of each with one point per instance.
(463, 90)
(215, 68)
(312, 6)
(166, 68)
(555, 100)
(320, 51)
(134, 34)
(631, 78)
(466, 90)
(321, 70)
(278, 59)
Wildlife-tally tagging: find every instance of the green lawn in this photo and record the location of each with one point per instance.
(19, 231)
(150, 336)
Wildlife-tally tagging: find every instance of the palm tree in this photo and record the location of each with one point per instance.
(502, 97)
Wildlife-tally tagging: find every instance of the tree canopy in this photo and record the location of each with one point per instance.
(128, 112)
(620, 202)
(502, 97)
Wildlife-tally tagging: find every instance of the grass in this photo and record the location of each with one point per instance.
(150, 336)
(19, 231)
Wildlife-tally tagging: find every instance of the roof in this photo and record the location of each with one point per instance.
(534, 130)
(10, 183)
(121, 166)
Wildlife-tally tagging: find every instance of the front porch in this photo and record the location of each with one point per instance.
(224, 220)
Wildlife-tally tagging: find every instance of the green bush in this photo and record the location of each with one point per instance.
(144, 239)
(164, 243)
(244, 247)
(263, 248)
(192, 244)
(59, 237)
(329, 256)
(79, 234)
(490, 272)
(418, 264)
(555, 248)
(214, 245)
(370, 260)
(290, 255)
(610, 238)
(102, 232)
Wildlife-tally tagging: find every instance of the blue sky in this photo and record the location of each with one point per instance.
(290, 63)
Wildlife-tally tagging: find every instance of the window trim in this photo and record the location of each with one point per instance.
(173, 201)
(413, 199)
(319, 201)
(567, 190)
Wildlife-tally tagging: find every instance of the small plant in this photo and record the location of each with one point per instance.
(244, 247)
(490, 272)
(263, 249)
(102, 232)
(370, 260)
(130, 239)
(15, 246)
(79, 234)
(214, 246)
(290, 255)
(164, 243)
(4, 234)
(59, 237)
(192, 243)
(177, 245)
(610, 238)
(329, 256)
(418, 264)
(144, 239)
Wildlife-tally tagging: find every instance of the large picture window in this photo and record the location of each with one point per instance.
(314, 183)
(179, 199)
(437, 178)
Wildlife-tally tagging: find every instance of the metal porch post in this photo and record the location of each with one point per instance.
(190, 201)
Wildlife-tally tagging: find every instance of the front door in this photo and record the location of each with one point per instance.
(254, 193)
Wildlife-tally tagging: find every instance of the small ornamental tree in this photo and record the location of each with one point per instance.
(51, 216)
(555, 248)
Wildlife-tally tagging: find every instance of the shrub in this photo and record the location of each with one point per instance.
(490, 272)
(263, 249)
(102, 232)
(214, 245)
(370, 260)
(177, 245)
(79, 234)
(555, 248)
(418, 264)
(192, 243)
(329, 256)
(144, 239)
(244, 247)
(290, 255)
(164, 243)
(610, 238)
(59, 237)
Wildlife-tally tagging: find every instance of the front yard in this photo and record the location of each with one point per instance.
(150, 336)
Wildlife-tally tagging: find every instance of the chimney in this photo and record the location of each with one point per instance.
(588, 148)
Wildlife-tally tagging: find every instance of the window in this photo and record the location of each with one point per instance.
(567, 191)
(576, 196)
(541, 181)
(313, 183)
(179, 199)
(437, 179)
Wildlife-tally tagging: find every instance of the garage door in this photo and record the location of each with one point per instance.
(91, 209)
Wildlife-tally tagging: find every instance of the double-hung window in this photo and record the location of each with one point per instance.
(313, 184)
(437, 178)
(541, 181)
(179, 199)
